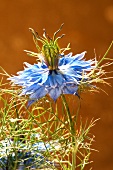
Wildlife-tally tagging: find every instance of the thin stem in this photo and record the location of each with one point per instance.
(105, 54)
(16, 139)
(72, 131)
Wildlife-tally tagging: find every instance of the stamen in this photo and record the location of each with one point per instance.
(44, 34)
(57, 31)
(59, 37)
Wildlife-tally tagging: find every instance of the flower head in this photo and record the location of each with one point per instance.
(55, 73)
(27, 155)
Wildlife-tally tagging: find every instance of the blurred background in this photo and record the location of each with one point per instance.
(88, 26)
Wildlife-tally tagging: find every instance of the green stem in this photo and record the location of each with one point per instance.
(16, 139)
(72, 131)
(105, 54)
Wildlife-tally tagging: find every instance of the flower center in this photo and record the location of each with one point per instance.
(50, 52)
(51, 71)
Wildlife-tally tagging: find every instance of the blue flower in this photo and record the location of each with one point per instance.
(54, 74)
(31, 155)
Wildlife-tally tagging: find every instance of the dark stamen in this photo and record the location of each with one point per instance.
(51, 71)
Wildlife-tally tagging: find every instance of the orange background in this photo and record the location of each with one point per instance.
(88, 26)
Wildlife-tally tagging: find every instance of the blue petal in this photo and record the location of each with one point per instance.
(79, 56)
(41, 146)
(64, 60)
(55, 93)
(72, 89)
(30, 102)
(39, 93)
(54, 79)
